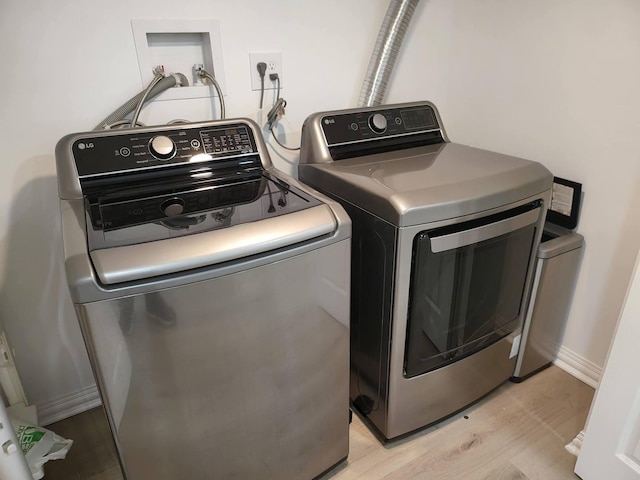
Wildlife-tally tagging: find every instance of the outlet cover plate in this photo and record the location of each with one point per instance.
(274, 65)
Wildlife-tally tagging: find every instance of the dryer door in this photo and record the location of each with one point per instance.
(467, 286)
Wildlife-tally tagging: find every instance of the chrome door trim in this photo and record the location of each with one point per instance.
(485, 232)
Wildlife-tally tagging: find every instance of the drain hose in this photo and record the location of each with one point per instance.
(130, 105)
(385, 52)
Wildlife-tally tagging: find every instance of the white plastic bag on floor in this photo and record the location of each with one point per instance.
(39, 446)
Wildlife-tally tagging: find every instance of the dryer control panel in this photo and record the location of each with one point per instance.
(360, 126)
(370, 130)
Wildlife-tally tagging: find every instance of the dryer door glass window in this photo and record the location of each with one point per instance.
(467, 285)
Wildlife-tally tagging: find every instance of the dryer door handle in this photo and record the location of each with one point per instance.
(485, 232)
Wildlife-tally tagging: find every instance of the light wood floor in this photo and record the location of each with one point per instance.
(518, 432)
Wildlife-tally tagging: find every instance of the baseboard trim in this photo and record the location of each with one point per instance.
(69, 405)
(581, 368)
(575, 445)
(88, 398)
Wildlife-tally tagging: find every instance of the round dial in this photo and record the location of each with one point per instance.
(172, 206)
(378, 123)
(162, 147)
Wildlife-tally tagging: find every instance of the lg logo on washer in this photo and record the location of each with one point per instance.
(329, 121)
(82, 146)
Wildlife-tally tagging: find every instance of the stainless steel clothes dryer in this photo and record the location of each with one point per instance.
(212, 292)
(444, 239)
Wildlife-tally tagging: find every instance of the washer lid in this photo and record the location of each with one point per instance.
(250, 218)
(429, 183)
(144, 260)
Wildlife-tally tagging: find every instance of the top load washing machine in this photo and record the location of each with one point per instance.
(212, 293)
(444, 239)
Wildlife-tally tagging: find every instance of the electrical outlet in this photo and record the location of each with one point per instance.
(274, 65)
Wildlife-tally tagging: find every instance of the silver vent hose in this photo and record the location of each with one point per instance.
(386, 51)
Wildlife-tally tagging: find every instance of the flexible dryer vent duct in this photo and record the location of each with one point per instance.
(386, 51)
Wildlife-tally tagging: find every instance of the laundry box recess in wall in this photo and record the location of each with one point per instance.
(179, 45)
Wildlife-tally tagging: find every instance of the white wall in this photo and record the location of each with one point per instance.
(548, 80)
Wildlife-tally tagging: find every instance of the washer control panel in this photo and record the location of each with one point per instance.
(354, 127)
(132, 150)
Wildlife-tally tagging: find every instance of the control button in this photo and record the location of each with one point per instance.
(162, 147)
(353, 126)
(125, 152)
(378, 123)
(172, 206)
(195, 143)
(398, 120)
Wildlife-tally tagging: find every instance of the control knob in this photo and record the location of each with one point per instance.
(378, 123)
(172, 206)
(162, 147)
